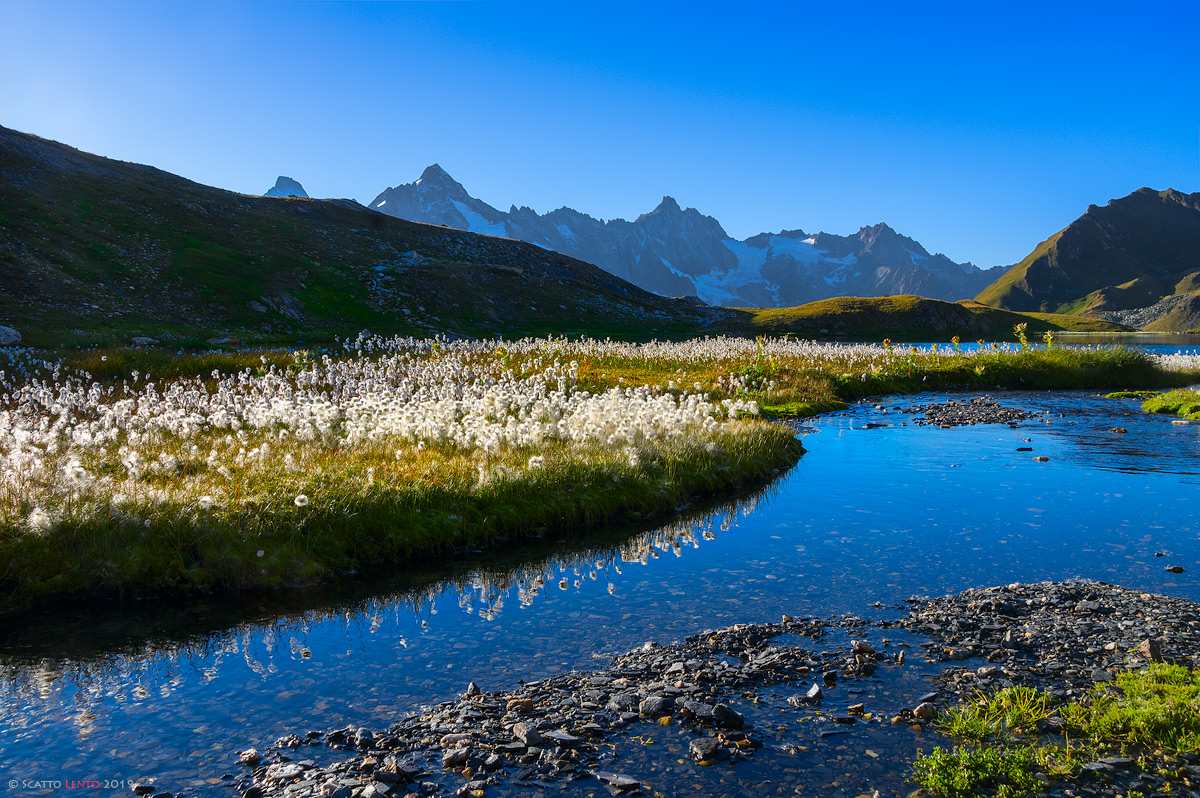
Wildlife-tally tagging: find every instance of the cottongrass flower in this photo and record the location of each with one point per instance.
(40, 521)
(536, 461)
(300, 501)
(205, 502)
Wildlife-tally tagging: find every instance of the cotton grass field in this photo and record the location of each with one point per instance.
(146, 473)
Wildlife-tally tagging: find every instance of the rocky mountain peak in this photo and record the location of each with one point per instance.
(435, 175)
(285, 187)
(668, 205)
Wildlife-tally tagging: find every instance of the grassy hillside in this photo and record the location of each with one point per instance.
(1013, 290)
(1133, 253)
(99, 251)
(908, 318)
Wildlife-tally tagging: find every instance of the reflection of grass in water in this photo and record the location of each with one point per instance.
(485, 583)
(1143, 714)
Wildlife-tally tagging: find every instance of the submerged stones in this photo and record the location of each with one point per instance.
(563, 728)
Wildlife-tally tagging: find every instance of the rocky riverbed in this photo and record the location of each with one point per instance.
(558, 735)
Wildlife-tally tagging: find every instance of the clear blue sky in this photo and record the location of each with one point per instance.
(977, 128)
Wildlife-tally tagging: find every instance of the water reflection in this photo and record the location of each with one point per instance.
(95, 656)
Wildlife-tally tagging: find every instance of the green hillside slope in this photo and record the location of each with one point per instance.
(96, 250)
(1132, 253)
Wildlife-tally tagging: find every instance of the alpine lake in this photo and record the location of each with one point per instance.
(879, 509)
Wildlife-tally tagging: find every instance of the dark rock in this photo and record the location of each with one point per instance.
(706, 749)
(562, 738)
(698, 710)
(728, 718)
(617, 781)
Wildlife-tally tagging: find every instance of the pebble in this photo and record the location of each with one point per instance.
(925, 711)
(706, 749)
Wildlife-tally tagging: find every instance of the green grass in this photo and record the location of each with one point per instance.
(903, 318)
(1131, 394)
(968, 772)
(1145, 714)
(1184, 402)
(1157, 708)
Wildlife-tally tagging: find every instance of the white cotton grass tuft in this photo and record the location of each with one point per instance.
(301, 500)
(40, 522)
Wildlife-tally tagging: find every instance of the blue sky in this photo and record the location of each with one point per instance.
(977, 128)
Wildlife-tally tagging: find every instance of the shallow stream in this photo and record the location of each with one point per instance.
(877, 511)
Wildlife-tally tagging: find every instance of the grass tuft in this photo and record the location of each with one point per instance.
(1144, 713)
(1185, 402)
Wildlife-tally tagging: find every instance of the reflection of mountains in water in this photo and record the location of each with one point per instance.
(118, 649)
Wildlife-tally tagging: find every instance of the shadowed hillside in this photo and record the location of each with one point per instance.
(93, 249)
(1135, 260)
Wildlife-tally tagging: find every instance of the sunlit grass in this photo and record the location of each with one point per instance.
(1185, 402)
(1143, 714)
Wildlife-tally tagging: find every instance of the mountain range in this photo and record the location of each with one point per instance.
(674, 251)
(99, 251)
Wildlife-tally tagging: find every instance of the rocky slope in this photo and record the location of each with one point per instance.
(1136, 260)
(673, 251)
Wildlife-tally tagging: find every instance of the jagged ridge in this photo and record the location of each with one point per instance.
(677, 251)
